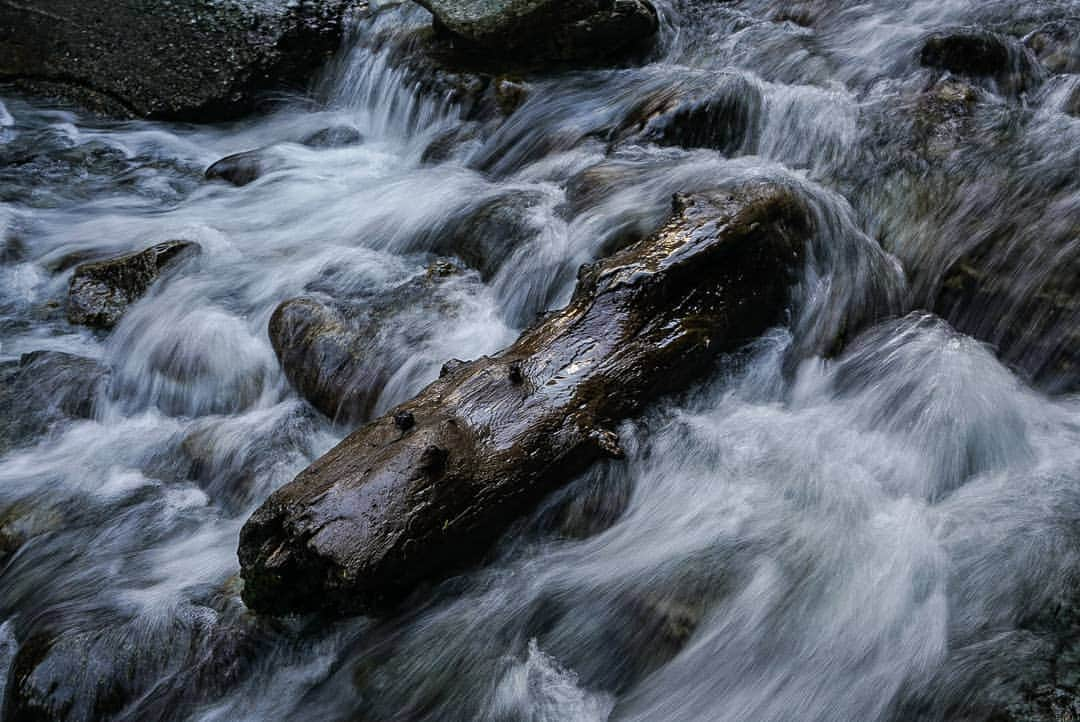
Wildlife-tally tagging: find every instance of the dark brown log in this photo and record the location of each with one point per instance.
(395, 504)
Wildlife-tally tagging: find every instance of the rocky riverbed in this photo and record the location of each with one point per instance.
(529, 360)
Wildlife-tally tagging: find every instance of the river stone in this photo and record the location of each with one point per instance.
(389, 508)
(336, 136)
(43, 388)
(238, 168)
(722, 115)
(485, 233)
(195, 60)
(69, 668)
(101, 291)
(546, 29)
(339, 355)
(1057, 45)
(980, 53)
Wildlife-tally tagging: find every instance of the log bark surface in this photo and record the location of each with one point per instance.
(416, 494)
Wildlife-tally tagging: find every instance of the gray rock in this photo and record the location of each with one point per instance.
(486, 232)
(238, 168)
(1057, 45)
(719, 111)
(339, 355)
(101, 291)
(198, 60)
(546, 29)
(336, 136)
(43, 388)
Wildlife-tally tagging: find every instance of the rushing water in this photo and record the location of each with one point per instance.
(890, 534)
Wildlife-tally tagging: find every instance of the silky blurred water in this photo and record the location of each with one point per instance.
(887, 534)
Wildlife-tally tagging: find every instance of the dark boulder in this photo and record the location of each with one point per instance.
(524, 30)
(339, 355)
(721, 112)
(388, 508)
(970, 51)
(198, 60)
(43, 388)
(101, 291)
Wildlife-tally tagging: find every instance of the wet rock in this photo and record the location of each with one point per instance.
(101, 291)
(82, 670)
(510, 94)
(22, 521)
(944, 118)
(546, 29)
(724, 117)
(234, 460)
(485, 233)
(199, 60)
(43, 388)
(339, 356)
(1057, 45)
(970, 51)
(372, 518)
(336, 136)
(238, 168)
(447, 143)
(980, 53)
(1035, 324)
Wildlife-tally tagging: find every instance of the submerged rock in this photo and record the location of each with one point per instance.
(487, 232)
(523, 30)
(43, 388)
(199, 60)
(336, 136)
(391, 507)
(101, 291)
(723, 115)
(83, 671)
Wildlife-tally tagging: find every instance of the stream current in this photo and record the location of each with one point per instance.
(891, 533)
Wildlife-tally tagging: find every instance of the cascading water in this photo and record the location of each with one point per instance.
(887, 534)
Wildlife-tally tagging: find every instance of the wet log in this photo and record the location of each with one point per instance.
(416, 494)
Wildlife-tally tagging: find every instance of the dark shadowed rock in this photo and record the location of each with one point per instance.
(339, 355)
(195, 60)
(970, 51)
(43, 388)
(101, 291)
(388, 508)
(520, 30)
(980, 53)
(722, 115)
